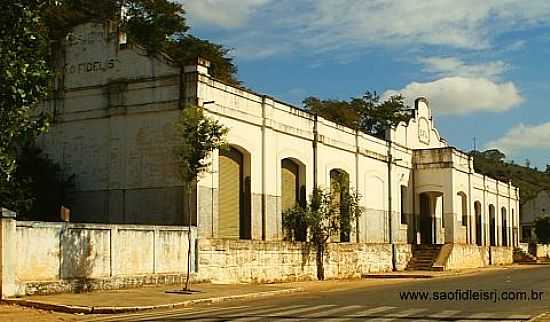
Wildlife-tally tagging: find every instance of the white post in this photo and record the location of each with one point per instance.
(7, 253)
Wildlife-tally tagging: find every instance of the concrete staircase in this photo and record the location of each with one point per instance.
(521, 257)
(424, 256)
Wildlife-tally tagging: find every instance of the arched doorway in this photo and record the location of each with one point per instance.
(479, 227)
(293, 190)
(339, 189)
(431, 208)
(504, 227)
(234, 195)
(492, 226)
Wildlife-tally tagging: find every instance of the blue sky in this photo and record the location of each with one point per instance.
(484, 65)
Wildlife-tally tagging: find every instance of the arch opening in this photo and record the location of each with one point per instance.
(339, 190)
(234, 219)
(477, 210)
(293, 191)
(504, 227)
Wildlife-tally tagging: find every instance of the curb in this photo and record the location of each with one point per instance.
(535, 318)
(75, 309)
(389, 276)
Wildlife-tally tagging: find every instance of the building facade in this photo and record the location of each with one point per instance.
(530, 210)
(114, 111)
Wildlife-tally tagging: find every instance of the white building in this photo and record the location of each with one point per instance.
(114, 113)
(530, 210)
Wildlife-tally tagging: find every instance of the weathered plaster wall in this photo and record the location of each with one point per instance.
(235, 261)
(57, 257)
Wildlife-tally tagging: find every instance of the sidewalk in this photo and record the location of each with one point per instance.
(149, 298)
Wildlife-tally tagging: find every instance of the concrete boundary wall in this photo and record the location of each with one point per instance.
(246, 261)
(71, 257)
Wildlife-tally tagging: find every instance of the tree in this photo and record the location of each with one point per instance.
(24, 76)
(39, 187)
(542, 229)
(197, 136)
(157, 25)
(185, 50)
(322, 218)
(367, 113)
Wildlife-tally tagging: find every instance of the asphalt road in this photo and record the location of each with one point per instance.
(385, 303)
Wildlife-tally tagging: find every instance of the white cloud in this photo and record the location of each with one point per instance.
(461, 95)
(523, 138)
(223, 13)
(450, 66)
(342, 24)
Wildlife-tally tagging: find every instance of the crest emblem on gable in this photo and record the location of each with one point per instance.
(423, 131)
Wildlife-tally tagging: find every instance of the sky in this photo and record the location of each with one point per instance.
(482, 64)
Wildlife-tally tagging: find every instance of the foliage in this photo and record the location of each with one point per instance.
(367, 113)
(24, 76)
(157, 25)
(198, 136)
(350, 210)
(185, 50)
(529, 181)
(542, 229)
(38, 189)
(322, 218)
(152, 22)
(294, 223)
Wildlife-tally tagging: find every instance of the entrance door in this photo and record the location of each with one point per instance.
(426, 219)
(231, 193)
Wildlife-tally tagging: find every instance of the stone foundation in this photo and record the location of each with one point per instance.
(501, 255)
(250, 261)
(461, 256)
(97, 284)
(542, 251)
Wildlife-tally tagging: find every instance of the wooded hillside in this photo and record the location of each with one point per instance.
(529, 181)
